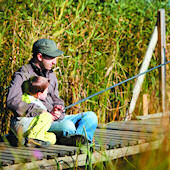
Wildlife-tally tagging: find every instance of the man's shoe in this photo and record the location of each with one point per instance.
(72, 140)
(36, 143)
(88, 147)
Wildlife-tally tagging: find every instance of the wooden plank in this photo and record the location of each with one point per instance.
(131, 134)
(17, 155)
(134, 128)
(113, 142)
(116, 153)
(59, 150)
(115, 133)
(80, 160)
(123, 136)
(71, 149)
(152, 116)
(104, 136)
(151, 125)
(104, 139)
(56, 150)
(144, 67)
(24, 155)
(145, 105)
(27, 154)
(24, 152)
(153, 121)
(141, 123)
(138, 124)
(162, 49)
(7, 156)
(4, 162)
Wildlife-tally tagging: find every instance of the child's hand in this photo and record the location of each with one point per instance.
(59, 108)
(55, 113)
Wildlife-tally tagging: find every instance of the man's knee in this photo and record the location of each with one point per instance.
(92, 116)
(68, 124)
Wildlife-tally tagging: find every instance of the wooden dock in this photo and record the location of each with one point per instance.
(112, 141)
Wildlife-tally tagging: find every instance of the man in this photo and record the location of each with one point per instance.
(66, 127)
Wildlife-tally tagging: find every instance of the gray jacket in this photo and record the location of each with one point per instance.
(14, 97)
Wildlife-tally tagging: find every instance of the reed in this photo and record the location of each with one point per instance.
(104, 43)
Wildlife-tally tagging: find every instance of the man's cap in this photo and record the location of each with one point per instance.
(47, 47)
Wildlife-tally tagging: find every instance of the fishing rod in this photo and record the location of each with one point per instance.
(80, 101)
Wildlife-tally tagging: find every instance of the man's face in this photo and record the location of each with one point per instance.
(47, 62)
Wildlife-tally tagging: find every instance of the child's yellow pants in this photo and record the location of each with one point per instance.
(39, 126)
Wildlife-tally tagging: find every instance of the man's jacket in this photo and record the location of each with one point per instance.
(14, 97)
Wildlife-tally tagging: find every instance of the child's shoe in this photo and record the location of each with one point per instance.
(36, 143)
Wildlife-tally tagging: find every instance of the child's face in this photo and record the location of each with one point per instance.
(43, 95)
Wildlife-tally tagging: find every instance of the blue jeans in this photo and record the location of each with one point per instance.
(82, 124)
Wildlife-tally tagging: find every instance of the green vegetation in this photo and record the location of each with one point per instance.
(104, 43)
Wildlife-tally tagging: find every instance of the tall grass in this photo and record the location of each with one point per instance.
(104, 43)
(155, 159)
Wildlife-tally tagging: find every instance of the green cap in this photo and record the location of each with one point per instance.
(47, 47)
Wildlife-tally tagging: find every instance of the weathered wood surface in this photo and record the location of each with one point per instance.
(153, 125)
(144, 67)
(80, 160)
(145, 104)
(162, 55)
(152, 116)
(161, 52)
(111, 138)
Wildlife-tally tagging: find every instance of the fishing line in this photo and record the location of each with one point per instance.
(80, 101)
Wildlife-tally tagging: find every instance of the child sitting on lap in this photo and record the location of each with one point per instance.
(35, 89)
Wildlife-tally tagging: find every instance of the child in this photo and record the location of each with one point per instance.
(35, 90)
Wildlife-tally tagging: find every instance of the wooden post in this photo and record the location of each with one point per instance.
(145, 104)
(162, 49)
(144, 67)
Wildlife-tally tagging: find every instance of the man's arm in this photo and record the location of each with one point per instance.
(14, 98)
(57, 102)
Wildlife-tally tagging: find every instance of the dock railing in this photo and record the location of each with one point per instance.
(158, 36)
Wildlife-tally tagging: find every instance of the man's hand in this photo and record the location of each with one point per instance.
(56, 115)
